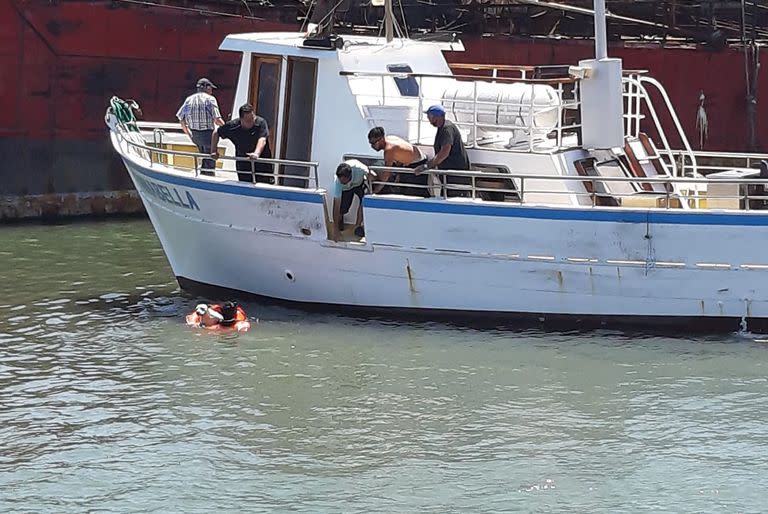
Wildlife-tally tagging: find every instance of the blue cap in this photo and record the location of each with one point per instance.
(436, 110)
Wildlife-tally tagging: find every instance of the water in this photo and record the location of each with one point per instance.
(108, 402)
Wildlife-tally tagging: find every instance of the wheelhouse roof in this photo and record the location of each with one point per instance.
(291, 43)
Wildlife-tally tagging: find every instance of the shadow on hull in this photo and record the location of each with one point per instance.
(646, 325)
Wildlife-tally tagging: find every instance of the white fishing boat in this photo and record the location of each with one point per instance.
(570, 211)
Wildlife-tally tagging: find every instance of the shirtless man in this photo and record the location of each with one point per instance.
(398, 153)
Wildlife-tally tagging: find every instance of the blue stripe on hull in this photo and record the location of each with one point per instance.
(575, 214)
(473, 209)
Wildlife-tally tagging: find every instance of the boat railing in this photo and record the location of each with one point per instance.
(746, 194)
(469, 113)
(637, 96)
(712, 162)
(284, 172)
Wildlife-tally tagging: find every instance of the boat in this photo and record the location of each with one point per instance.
(571, 211)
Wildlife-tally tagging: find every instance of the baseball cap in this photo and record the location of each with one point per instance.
(201, 309)
(436, 110)
(205, 83)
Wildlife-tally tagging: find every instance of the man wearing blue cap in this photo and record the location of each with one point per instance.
(450, 153)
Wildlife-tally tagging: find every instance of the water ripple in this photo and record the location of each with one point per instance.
(109, 402)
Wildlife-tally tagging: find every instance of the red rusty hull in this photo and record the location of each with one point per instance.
(62, 61)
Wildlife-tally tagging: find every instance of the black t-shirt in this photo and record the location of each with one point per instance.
(457, 159)
(245, 139)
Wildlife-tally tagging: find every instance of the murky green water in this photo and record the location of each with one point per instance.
(108, 402)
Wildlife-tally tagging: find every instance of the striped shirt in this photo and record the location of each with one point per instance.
(199, 111)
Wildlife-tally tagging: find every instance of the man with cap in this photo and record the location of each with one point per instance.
(198, 115)
(450, 153)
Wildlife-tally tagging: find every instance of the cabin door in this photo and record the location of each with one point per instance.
(298, 119)
(265, 91)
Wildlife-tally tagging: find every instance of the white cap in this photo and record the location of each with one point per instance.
(201, 308)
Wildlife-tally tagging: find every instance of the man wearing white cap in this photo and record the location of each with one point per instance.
(198, 115)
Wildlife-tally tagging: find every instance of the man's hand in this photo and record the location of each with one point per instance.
(215, 154)
(252, 155)
(421, 169)
(336, 233)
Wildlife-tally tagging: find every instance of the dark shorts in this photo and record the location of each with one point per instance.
(348, 195)
(419, 181)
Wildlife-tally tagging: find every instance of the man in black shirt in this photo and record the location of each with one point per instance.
(250, 135)
(450, 153)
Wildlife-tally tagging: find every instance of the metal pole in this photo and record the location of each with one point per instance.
(389, 17)
(601, 43)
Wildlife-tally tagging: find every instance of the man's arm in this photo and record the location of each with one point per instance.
(185, 127)
(383, 176)
(442, 155)
(260, 144)
(181, 115)
(435, 161)
(216, 113)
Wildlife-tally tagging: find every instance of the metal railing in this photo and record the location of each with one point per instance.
(279, 175)
(712, 162)
(752, 194)
(536, 138)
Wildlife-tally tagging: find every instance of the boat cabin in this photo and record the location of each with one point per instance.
(555, 135)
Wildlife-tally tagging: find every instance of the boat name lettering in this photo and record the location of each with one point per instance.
(168, 194)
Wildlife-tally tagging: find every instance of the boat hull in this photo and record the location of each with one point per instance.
(271, 242)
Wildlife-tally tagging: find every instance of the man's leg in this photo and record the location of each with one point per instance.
(244, 171)
(346, 203)
(346, 200)
(202, 139)
(359, 191)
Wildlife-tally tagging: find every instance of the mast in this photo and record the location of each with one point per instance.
(602, 104)
(389, 18)
(601, 43)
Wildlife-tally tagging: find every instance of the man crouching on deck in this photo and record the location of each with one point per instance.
(349, 182)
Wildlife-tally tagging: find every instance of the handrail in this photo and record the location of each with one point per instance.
(675, 119)
(521, 191)
(350, 73)
(643, 93)
(199, 156)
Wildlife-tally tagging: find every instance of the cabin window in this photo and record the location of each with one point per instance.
(408, 86)
(265, 89)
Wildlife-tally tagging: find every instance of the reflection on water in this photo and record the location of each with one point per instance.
(108, 401)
